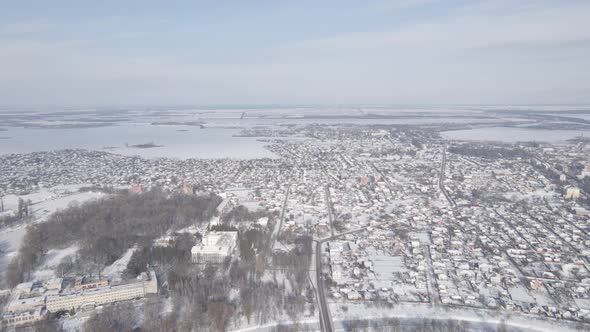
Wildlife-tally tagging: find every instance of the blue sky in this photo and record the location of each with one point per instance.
(91, 53)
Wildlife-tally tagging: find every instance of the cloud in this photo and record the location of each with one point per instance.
(478, 54)
(475, 29)
(25, 28)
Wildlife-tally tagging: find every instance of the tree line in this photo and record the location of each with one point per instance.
(488, 151)
(23, 212)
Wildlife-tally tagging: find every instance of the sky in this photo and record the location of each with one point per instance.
(97, 53)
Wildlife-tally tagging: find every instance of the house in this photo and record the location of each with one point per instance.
(535, 284)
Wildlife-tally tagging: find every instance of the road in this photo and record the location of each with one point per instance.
(441, 178)
(431, 282)
(329, 205)
(325, 317)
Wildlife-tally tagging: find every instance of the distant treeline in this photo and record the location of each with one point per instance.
(101, 189)
(23, 212)
(241, 214)
(488, 151)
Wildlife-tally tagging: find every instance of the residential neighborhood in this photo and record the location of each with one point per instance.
(397, 217)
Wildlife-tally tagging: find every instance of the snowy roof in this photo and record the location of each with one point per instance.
(221, 243)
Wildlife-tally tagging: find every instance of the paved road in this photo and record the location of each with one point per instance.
(441, 178)
(325, 317)
(329, 205)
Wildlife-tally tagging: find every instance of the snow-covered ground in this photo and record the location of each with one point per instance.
(115, 270)
(351, 310)
(310, 324)
(44, 203)
(75, 323)
(11, 201)
(43, 209)
(48, 200)
(52, 259)
(54, 256)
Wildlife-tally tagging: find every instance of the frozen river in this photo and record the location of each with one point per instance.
(180, 140)
(176, 138)
(176, 141)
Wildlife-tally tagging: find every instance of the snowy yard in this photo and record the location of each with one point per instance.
(115, 270)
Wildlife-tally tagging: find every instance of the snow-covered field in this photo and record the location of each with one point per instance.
(48, 200)
(115, 270)
(44, 203)
(52, 259)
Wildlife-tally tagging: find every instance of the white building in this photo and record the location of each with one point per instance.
(215, 247)
(24, 317)
(103, 295)
(17, 303)
(96, 296)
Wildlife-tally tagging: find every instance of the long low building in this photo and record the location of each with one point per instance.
(102, 295)
(24, 317)
(31, 302)
(20, 304)
(95, 296)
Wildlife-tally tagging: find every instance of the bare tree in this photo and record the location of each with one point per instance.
(219, 312)
(14, 272)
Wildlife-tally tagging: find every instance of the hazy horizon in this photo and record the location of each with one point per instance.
(561, 107)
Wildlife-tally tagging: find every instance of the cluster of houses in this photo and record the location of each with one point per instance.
(511, 238)
(30, 171)
(378, 266)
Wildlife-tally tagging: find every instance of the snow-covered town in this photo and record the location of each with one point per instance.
(397, 218)
(286, 166)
